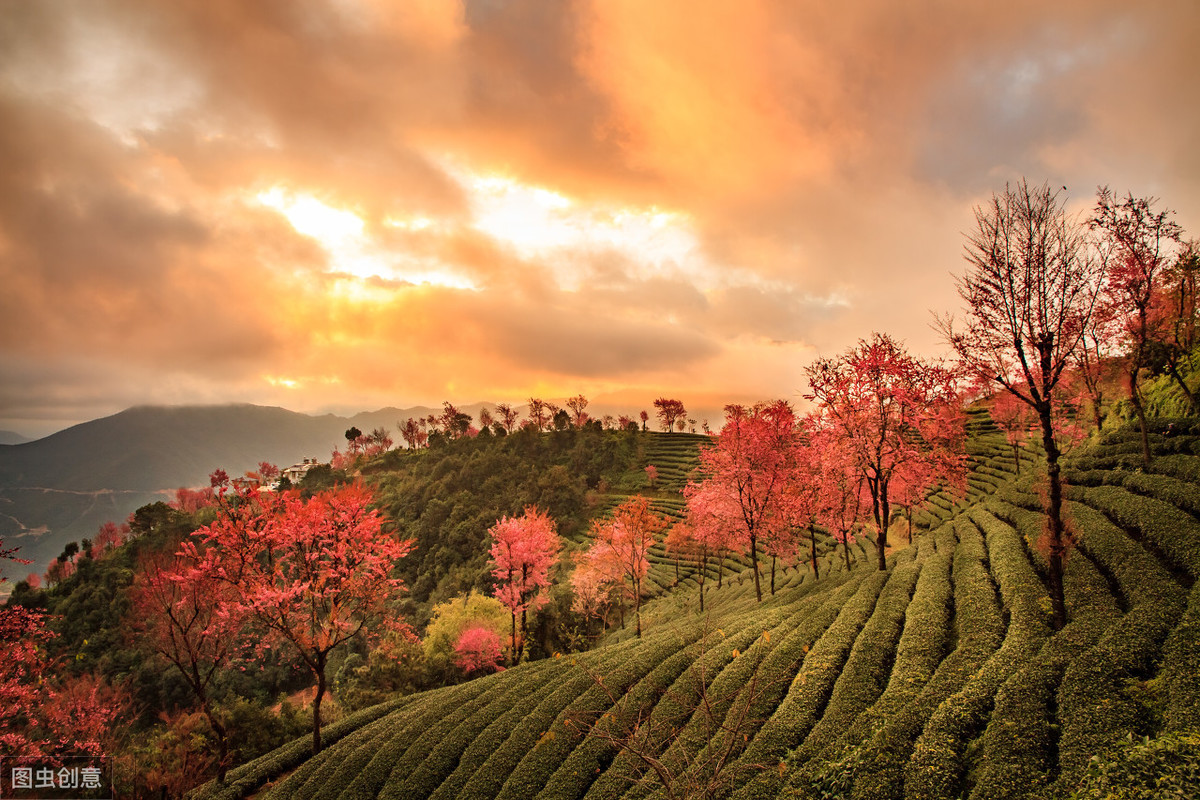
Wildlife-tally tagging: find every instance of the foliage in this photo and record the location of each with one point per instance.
(453, 618)
(1144, 769)
(893, 412)
(523, 551)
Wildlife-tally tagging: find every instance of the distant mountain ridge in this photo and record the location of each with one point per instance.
(12, 437)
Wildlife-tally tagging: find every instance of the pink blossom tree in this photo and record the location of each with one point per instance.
(523, 551)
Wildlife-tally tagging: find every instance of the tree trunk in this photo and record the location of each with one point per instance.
(772, 576)
(703, 569)
(524, 636)
(1191, 398)
(846, 550)
(754, 563)
(1017, 458)
(222, 740)
(316, 746)
(812, 543)
(637, 605)
(1054, 514)
(883, 518)
(720, 568)
(1135, 397)
(512, 650)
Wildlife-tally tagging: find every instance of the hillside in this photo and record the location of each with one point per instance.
(63, 487)
(939, 678)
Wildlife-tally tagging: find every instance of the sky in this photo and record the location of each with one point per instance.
(352, 204)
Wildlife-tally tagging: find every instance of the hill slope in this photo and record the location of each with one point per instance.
(939, 678)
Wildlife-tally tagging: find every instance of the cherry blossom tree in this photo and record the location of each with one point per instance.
(507, 416)
(714, 518)
(523, 550)
(841, 485)
(644, 417)
(315, 572)
(594, 583)
(191, 618)
(41, 715)
(1014, 417)
(669, 411)
(890, 409)
(577, 405)
(751, 463)
(1136, 241)
(539, 415)
(478, 649)
(414, 433)
(625, 540)
(651, 475)
(1030, 290)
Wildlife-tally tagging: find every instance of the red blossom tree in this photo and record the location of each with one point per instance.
(1030, 290)
(41, 716)
(1136, 241)
(507, 416)
(414, 433)
(625, 540)
(576, 406)
(478, 649)
(751, 463)
(191, 618)
(840, 497)
(523, 550)
(651, 475)
(714, 518)
(669, 411)
(644, 417)
(314, 572)
(1014, 417)
(594, 584)
(109, 535)
(892, 411)
(539, 414)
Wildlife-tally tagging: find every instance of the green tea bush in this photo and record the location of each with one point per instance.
(809, 691)
(420, 767)
(1094, 705)
(542, 750)
(1144, 769)
(869, 665)
(1172, 531)
(245, 779)
(1181, 668)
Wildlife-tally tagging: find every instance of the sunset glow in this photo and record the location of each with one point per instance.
(483, 202)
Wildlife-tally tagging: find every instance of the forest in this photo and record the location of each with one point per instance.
(972, 576)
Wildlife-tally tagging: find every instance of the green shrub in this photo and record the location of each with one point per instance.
(441, 753)
(245, 779)
(1144, 769)
(1181, 668)
(1172, 531)
(1095, 706)
(545, 737)
(809, 691)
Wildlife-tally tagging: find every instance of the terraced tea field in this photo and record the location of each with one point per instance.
(939, 678)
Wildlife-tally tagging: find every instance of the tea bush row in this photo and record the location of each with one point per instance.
(1095, 707)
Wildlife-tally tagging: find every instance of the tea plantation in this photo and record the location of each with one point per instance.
(940, 678)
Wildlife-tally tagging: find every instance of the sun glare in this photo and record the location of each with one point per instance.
(311, 217)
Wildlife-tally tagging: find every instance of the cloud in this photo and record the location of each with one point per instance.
(729, 188)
